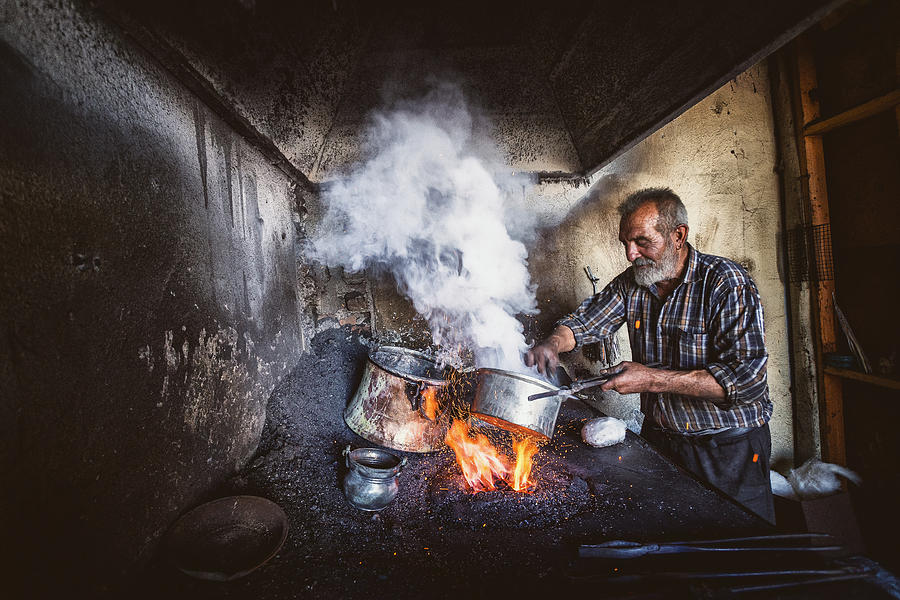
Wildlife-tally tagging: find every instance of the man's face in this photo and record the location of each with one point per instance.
(653, 254)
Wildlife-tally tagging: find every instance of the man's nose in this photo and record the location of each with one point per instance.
(631, 252)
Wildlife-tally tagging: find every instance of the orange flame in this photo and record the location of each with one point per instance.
(525, 449)
(480, 462)
(430, 403)
(482, 465)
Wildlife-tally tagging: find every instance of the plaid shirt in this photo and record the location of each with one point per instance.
(712, 320)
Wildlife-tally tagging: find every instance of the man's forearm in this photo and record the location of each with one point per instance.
(698, 384)
(634, 378)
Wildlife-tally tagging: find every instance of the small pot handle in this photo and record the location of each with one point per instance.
(414, 391)
(346, 454)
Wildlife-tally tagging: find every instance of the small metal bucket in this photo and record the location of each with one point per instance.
(372, 481)
(501, 399)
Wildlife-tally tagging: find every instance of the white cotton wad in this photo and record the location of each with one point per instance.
(427, 210)
(816, 479)
(603, 431)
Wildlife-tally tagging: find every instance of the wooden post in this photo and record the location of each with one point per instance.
(812, 160)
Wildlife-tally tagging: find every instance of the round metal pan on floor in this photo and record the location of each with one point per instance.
(227, 538)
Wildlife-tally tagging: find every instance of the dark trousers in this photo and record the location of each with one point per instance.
(725, 461)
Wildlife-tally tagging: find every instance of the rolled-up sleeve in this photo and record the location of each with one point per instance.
(738, 340)
(597, 317)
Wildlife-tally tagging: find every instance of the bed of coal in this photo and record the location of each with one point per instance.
(436, 537)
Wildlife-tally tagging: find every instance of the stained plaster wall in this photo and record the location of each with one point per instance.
(720, 157)
(148, 296)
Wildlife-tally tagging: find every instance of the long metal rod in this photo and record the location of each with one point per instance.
(622, 549)
(755, 538)
(687, 575)
(624, 553)
(796, 583)
(786, 572)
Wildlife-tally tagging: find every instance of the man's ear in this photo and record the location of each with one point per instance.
(681, 233)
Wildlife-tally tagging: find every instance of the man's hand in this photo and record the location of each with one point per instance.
(546, 354)
(631, 378)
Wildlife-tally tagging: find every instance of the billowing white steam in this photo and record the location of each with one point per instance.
(425, 208)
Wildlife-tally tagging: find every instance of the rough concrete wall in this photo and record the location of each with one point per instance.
(720, 157)
(148, 295)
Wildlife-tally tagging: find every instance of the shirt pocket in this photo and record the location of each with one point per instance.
(692, 348)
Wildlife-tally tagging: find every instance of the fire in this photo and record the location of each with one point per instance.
(525, 449)
(480, 462)
(483, 466)
(430, 403)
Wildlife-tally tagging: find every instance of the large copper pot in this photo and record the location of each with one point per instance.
(389, 407)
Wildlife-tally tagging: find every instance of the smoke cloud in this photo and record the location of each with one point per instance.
(428, 207)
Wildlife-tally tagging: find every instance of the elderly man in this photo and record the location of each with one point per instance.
(700, 317)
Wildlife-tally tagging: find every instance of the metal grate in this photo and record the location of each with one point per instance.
(809, 253)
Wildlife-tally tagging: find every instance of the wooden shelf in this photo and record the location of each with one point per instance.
(885, 382)
(863, 111)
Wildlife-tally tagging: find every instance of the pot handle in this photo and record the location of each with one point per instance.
(346, 454)
(414, 393)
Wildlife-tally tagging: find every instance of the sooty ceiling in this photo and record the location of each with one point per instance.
(565, 85)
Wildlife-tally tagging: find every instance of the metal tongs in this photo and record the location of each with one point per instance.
(570, 390)
(763, 543)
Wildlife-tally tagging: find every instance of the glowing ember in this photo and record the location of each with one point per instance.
(482, 465)
(430, 403)
(525, 449)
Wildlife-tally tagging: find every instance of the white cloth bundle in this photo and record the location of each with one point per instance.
(603, 431)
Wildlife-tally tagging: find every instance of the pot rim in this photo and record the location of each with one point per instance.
(519, 376)
(358, 456)
(407, 376)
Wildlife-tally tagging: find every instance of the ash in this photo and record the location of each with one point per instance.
(558, 495)
(436, 537)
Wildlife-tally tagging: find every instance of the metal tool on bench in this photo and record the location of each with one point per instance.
(734, 582)
(619, 549)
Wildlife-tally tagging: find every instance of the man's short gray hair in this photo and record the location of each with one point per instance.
(672, 212)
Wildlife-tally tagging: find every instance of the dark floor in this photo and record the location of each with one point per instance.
(437, 540)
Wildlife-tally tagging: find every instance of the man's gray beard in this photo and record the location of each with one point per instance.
(664, 268)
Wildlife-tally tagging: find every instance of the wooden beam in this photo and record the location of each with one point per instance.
(857, 113)
(885, 382)
(812, 161)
